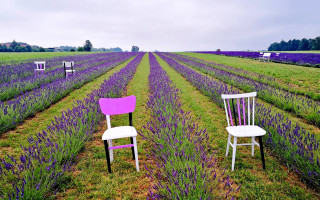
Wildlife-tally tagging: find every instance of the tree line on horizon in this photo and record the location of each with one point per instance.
(296, 45)
(24, 47)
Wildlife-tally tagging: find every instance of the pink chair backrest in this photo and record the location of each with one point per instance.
(117, 106)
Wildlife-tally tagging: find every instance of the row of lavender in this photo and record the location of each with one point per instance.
(14, 111)
(294, 145)
(42, 165)
(260, 78)
(179, 149)
(13, 72)
(304, 59)
(301, 106)
(14, 88)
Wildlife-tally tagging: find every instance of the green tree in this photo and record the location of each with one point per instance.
(4, 48)
(304, 44)
(80, 49)
(274, 47)
(41, 49)
(295, 44)
(316, 43)
(135, 49)
(29, 49)
(10, 49)
(14, 44)
(20, 49)
(87, 46)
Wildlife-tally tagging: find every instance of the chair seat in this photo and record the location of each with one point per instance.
(70, 70)
(119, 132)
(246, 131)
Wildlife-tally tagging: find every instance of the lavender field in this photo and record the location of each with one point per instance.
(51, 128)
(303, 59)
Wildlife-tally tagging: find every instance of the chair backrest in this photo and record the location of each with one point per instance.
(117, 106)
(242, 101)
(40, 64)
(68, 64)
(267, 55)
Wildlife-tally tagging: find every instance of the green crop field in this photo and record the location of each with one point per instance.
(13, 58)
(58, 153)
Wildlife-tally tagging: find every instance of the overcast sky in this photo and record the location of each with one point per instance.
(165, 25)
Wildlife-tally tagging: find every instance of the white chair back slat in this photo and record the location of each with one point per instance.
(230, 115)
(239, 113)
(253, 111)
(248, 111)
(225, 108)
(243, 111)
(108, 121)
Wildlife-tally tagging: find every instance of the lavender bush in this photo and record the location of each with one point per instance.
(294, 145)
(40, 168)
(180, 150)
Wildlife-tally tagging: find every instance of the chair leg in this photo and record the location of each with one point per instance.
(252, 146)
(111, 150)
(228, 144)
(262, 154)
(136, 152)
(132, 148)
(107, 154)
(234, 151)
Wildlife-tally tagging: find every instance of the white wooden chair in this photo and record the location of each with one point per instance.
(68, 68)
(40, 67)
(244, 126)
(266, 56)
(116, 106)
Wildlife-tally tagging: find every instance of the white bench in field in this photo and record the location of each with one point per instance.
(265, 56)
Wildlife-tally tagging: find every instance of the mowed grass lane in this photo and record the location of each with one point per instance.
(90, 178)
(10, 141)
(305, 80)
(274, 183)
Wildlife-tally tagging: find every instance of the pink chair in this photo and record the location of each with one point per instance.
(41, 67)
(116, 106)
(242, 127)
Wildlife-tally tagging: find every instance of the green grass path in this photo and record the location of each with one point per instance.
(10, 141)
(90, 178)
(274, 183)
